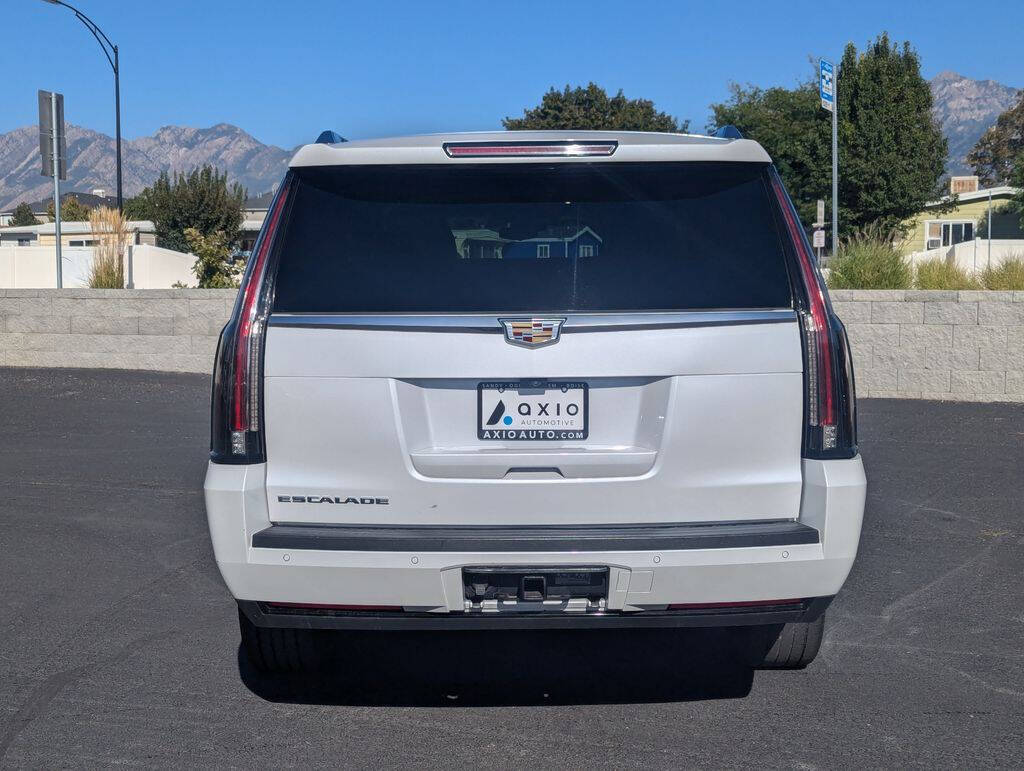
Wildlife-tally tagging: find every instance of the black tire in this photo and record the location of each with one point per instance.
(789, 646)
(279, 650)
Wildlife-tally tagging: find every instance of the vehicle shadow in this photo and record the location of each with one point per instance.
(460, 669)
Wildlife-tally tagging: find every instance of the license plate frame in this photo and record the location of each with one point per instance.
(526, 433)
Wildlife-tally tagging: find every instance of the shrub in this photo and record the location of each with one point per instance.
(107, 270)
(1007, 275)
(214, 268)
(869, 260)
(937, 273)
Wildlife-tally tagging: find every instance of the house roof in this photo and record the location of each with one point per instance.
(478, 234)
(259, 202)
(579, 233)
(1003, 191)
(86, 199)
(83, 228)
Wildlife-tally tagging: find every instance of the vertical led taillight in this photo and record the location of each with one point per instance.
(828, 372)
(237, 387)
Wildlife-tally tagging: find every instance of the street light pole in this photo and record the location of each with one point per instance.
(110, 51)
(117, 113)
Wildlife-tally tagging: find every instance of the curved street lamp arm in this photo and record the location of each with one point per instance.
(94, 30)
(97, 33)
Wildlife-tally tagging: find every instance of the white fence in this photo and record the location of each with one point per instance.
(974, 256)
(156, 268)
(35, 267)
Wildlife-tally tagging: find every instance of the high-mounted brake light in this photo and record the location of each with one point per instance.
(528, 149)
(825, 347)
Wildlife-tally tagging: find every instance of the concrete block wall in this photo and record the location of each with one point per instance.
(171, 330)
(914, 344)
(906, 344)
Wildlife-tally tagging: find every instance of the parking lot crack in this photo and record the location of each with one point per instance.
(918, 597)
(50, 688)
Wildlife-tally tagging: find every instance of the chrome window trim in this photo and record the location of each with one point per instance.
(488, 323)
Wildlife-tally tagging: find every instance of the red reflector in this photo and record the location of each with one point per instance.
(741, 604)
(318, 606)
(519, 149)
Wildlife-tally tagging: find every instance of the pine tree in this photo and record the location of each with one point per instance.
(201, 199)
(892, 154)
(891, 150)
(23, 216)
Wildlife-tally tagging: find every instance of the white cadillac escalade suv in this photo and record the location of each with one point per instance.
(533, 380)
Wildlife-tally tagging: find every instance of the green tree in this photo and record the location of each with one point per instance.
(213, 267)
(891, 150)
(23, 216)
(993, 157)
(71, 209)
(892, 154)
(591, 108)
(795, 131)
(1017, 180)
(201, 199)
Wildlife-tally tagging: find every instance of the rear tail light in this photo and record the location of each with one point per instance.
(527, 149)
(237, 421)
(830, 422)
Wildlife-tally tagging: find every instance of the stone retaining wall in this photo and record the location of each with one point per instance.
(172, 330)
(907, 344)
(914, 344)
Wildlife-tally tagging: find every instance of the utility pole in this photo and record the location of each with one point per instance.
(110, 51)
(53, 152)
(56, 189)
(990, 227)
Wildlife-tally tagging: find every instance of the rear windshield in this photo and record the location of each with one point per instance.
(531, 238)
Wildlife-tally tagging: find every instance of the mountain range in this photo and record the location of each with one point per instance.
(258, 167)
(963, 107)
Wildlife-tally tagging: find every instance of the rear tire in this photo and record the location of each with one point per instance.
(793, 646)
(269, 649)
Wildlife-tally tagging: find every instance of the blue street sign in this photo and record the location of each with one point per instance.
(825, 85)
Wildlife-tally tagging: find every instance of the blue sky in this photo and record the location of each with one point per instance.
(286, 70)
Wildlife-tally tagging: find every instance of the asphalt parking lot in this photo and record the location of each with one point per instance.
(119, 643)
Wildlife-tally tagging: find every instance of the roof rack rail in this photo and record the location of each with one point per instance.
(728, 132)
(329, 138)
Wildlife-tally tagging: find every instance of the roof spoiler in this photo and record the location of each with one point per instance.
(728, 132)
(330, 138)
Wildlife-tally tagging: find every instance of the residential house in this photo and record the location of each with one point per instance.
(481, 243)
(72, 234)
(557, 242)
(254, 211)
(935, 229)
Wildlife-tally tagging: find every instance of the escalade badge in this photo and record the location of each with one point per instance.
(532, 333)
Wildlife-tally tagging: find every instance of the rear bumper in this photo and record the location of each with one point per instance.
(809, 557)
(601, 538)
(263, 614)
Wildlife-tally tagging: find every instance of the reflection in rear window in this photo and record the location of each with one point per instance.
(531, 238)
